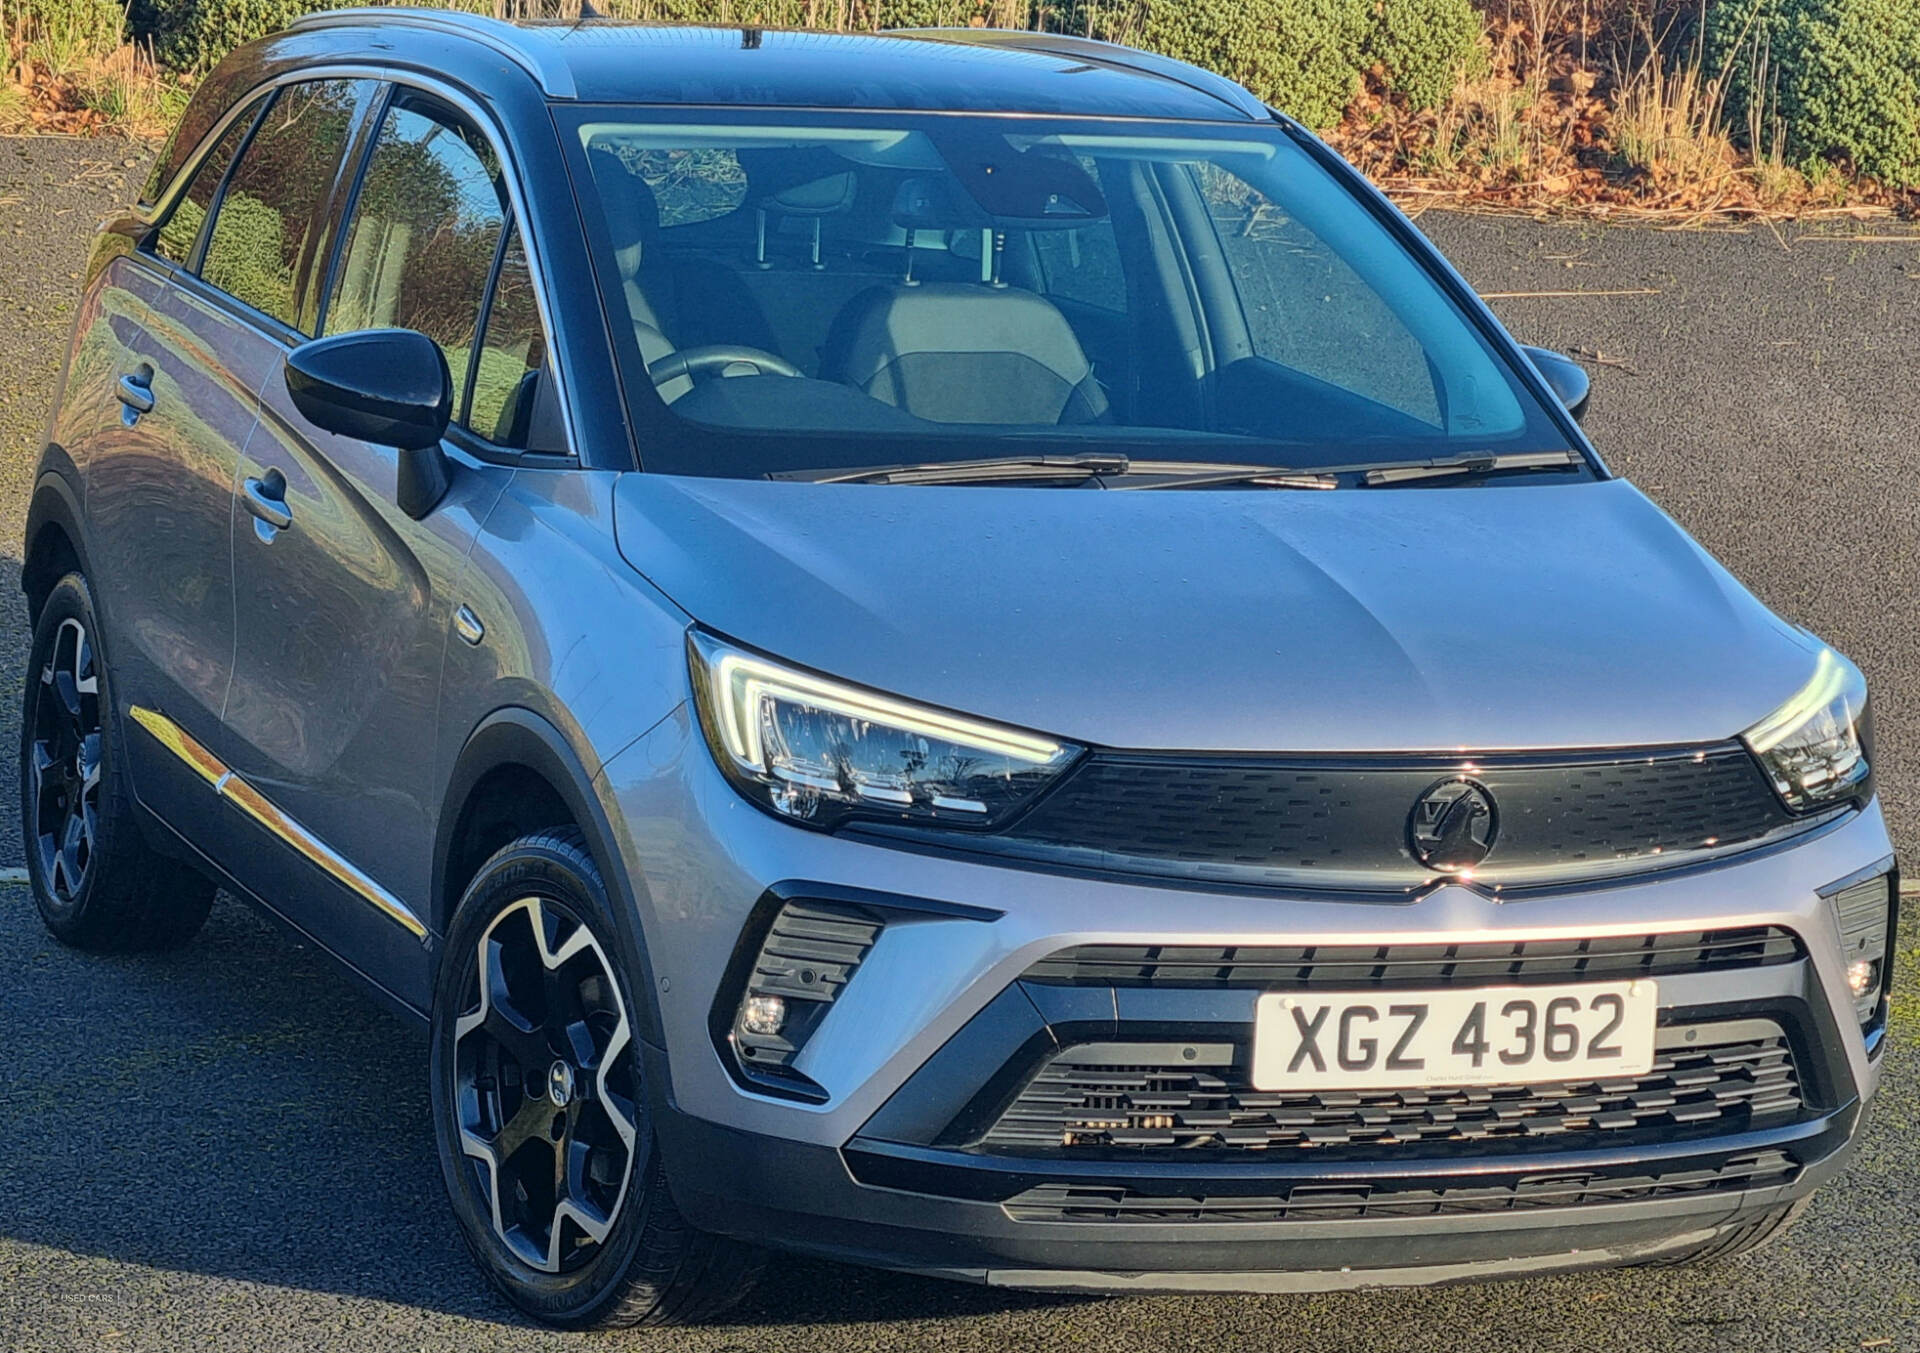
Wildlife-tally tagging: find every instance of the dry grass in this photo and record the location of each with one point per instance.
(71, 68)
(1669, 120)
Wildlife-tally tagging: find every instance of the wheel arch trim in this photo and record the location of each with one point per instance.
(55, 506)
(519, 737)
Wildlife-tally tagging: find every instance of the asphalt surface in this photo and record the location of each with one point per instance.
(228, 1147)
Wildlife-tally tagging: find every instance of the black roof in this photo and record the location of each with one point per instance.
(963, 69)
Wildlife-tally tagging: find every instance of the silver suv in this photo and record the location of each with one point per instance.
(951, 650)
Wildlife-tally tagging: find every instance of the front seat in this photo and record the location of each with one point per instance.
(965, 352)
(633, 222)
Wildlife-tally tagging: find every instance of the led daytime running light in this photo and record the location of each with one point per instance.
(745, 681)
(1828, 683)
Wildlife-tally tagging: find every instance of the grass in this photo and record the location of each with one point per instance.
(71, 66)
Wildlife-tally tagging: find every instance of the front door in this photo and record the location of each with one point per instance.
(344, 603)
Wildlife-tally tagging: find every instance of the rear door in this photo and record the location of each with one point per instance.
(237, 247)
(233, 249)
(159, 490)
(345, 604)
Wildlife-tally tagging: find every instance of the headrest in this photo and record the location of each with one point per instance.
(818, 197)
(924, 202)
(632, 211)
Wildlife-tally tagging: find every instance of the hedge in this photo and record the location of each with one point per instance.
(1845, 79)
(1305, 56)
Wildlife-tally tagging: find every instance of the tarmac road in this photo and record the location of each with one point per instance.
(228, 1148)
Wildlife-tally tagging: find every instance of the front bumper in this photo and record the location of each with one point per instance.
(937, 1011)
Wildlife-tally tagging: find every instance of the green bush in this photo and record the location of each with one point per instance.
(1306, 56)
(1302, 56)
(1843, 76)
(1425, 46)
(194, 34)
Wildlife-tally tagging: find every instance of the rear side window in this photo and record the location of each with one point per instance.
(275, 192)
(425, 229)
(513, 352)
(175, 239)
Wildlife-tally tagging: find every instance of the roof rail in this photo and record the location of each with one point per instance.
(1196, 78)
(554, 77)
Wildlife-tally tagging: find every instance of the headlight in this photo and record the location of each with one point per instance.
(819, 752)
(1818, 747)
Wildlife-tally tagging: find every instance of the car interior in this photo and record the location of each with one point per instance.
(972, 281)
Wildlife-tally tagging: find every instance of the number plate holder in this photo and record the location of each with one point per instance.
(1402, 1040)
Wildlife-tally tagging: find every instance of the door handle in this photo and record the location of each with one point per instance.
(136, 392)
(267, 500)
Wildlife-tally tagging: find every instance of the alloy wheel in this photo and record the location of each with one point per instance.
(545, 1085)
(65, 762)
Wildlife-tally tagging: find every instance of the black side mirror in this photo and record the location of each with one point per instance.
(1566, 377)
(390, 387)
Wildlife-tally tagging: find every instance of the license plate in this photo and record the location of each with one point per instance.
(1470, 1036)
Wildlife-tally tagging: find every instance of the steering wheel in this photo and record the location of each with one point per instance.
(715, 358)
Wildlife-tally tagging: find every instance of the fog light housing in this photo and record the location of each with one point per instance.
(1864, 910)
(763, 1014)
(795, 958)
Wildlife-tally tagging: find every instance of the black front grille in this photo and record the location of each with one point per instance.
(1346, 822)
(1110, 1095)
(1333, 1201)
(1293, 967)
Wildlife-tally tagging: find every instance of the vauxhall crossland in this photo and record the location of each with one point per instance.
(954, 650)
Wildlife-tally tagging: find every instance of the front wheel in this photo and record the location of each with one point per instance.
(545, 1140)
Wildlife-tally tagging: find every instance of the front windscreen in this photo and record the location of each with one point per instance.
(798, 292)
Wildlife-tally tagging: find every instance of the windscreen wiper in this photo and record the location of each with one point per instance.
(1152, 474)
(1407, 472)
(1183, 475)
(988, 470)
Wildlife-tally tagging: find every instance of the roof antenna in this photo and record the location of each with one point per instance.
(587, 11)
(750, 39)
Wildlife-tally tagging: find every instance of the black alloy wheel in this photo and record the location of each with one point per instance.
(544, 1080)
(542, 1113)
(63, 761)
(97, 881)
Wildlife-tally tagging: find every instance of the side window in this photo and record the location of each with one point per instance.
(425, 228)
(1082, 266)
(175, 239)
(275, 192)
(690, 185)
(513, 353)
(1306, 309)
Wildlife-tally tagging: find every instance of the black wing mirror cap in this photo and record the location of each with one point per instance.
(386, 386)
(1567, 378)
(390, 387)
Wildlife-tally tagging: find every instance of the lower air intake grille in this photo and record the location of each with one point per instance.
(1094, 1097)
(811, 951)
(1325, 1202)
(1347, 967)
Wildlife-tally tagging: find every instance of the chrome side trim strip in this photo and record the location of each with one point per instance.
(228, 785)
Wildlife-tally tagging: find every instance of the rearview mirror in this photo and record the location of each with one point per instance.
(390, 387)
(1566, 377)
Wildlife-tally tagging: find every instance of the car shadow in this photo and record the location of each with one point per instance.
(238, 1109)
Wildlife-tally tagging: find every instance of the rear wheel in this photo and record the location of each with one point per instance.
(96, 881)
(542, 1123)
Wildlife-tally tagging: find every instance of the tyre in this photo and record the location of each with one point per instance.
(544, 1134)
(96, 881)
